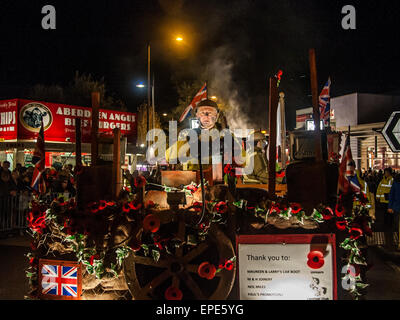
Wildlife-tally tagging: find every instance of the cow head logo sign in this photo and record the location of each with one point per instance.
(31, 116)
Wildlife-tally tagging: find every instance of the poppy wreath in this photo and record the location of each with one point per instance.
(173, 293)
(37, 221)
(315, 259)
(206, 270)
(151, 223)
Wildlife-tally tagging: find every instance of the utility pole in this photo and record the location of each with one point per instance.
(314, 91)
(283, 129)
(148, 90)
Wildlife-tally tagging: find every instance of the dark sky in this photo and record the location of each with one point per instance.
(236, 44)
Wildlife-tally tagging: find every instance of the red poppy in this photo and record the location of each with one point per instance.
(204, 225)
(206, 270)
(135, 245)
(327, 213)
(229, 170)
(275, 208)
(339, 210)
(33, 262)
(296, 207)
(36, 223)
(151, 223)
(102, 205)
(93, 207)
(197, 206)
(228, 265)
(173, 293)
(139, 181)
(126, 207)
(93, 257)
(221, 207)
(366, 229)
(111, 203)
(133, 206)
(341, 225)
(280, 174)
(355, 233)
(192, 188)
(315, 259)
(353, 270)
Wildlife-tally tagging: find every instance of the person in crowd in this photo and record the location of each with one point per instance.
(260, 161)
(7, 186)
(394, 206)
(382, 193)
(63, 188)
(5, 166)
(382, 198)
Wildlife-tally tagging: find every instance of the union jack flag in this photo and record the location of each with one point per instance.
(59, 280)
(348, 181)
(324, 102)
(200, 96)
(38, 160)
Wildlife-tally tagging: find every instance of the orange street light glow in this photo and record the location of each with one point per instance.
(179, 39)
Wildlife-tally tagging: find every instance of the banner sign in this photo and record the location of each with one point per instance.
(8, 119)
(287, 267)
(59, 121)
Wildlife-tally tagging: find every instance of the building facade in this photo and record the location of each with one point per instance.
(366, 115)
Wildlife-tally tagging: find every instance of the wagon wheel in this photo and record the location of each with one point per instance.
(147, 279)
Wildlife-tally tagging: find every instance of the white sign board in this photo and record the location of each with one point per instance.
(282, 272)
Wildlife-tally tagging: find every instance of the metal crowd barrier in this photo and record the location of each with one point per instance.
(13, 212)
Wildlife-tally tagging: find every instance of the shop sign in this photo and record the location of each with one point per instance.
(287, 267)
(59, 121)
(8, 120)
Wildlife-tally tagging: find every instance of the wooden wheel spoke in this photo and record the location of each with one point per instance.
(175, 281)
(147, 261)
(193, 268)
(156, 282)
(181, 236)
(192, 285)
(195, 252)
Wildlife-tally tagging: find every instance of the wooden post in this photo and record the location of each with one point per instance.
(95, 128)
(283, 129)
(314, 92)
(273, 108)
(116, 169)
(78, 142)
(78, 159)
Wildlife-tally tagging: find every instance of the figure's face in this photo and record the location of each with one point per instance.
(207, 116)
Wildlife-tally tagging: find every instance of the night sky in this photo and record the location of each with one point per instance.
(236, 45)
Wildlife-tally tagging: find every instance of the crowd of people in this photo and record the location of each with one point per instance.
(18, 181)
(385, 186)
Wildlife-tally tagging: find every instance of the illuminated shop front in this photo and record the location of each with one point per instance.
(20, 122)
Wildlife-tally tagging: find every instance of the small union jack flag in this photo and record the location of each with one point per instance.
(200, 96)
(59, 280)
(325, 102)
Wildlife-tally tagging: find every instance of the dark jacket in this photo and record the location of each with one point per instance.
(394, 196)
(6, 188)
